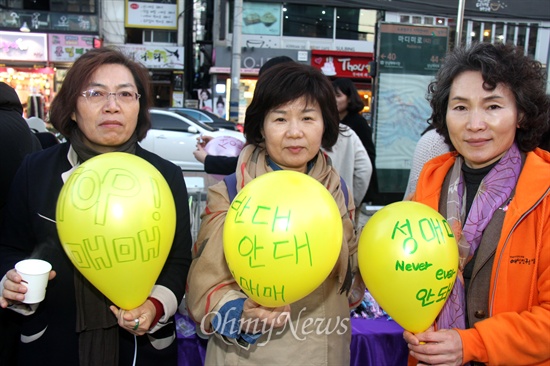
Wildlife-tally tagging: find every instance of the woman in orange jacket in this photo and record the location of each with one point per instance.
(489, 103)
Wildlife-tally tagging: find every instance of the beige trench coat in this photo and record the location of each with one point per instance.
(319, 330)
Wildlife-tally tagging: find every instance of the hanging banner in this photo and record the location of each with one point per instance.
(155, 57)
(18, 46)
(513, 9)
(155, 14)
(68, 47)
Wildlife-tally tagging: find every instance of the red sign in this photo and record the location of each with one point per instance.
(353, 65)
(98, 42)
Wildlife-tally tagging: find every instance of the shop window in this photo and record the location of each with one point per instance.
(159, 36)
(533, 34)
(162, 94)
(521, 35)
(499, 33)
(487, 32)
(73, 6)
(476, 31)
(311, 21)
(522, 31)
(12, 4)
(511, 33)
(57, 5)
(146, 36)
(36, 5)
(355, 24)
(366, 96)
(308, 21)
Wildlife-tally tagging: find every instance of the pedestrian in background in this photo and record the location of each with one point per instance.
(351, 160)
(430, 145)
(16, 138)
(349, 105)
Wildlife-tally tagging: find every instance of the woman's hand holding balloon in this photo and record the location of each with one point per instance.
(200, 154)
(408, 258)
(204, 139)
(136, 321)
(258, 318)
(442, 347)
(131, 199)
(13, 290)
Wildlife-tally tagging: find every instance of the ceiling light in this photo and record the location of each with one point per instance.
(25, 28)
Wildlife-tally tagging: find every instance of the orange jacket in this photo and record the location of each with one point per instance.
(517, 331)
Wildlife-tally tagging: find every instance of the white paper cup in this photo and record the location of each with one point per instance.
(35, 273)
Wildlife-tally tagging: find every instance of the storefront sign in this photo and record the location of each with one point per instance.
(411, 49)
(68, 47)
(47, 21)
(512, 9)
(353, 65)
(261, 18)
(17, 46)
(159, 14)
(408, 58)
(227, 70)
(253, 59)
(73, 22)
(155, 57)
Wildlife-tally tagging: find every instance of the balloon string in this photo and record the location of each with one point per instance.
(47, 218)
(135, 350)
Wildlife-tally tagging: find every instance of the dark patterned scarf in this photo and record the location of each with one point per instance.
(95, 323)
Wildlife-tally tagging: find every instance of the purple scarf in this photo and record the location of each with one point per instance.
(494, 191)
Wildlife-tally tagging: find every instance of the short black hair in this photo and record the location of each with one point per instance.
(287, 82)
(274, 61)
(346, 86)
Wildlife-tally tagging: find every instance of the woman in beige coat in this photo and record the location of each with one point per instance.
(292, 116)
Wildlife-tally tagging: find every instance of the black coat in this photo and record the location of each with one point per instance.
(223, 165)
(27, 232)
(16, 141)
(16, 138)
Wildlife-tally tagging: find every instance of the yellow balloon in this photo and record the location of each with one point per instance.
(282, 237)
(116, 220)
(408, 258)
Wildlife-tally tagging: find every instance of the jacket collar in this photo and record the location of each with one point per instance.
(533, 183)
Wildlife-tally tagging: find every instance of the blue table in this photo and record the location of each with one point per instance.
(376, 342)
